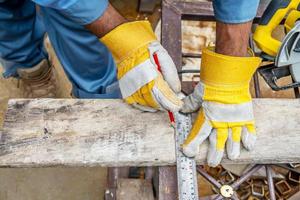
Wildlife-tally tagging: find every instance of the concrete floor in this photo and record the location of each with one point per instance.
(52, 184)
(48, 183)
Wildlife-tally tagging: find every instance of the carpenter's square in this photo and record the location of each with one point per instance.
(186, 167)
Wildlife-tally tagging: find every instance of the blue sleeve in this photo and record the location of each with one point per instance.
(80, 11)
(235, 11)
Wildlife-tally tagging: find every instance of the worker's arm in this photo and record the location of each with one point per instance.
(226, 114)
(147, 75)
(136, 52)
(109, 20)
(232, 39)
(98, 16)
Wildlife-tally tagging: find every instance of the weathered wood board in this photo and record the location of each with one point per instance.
(71, 132)
(134, 189)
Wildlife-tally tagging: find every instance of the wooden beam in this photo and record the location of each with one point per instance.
(134, 189)
(113, 175)
(69, 132)
(165, 183)
(147, 6)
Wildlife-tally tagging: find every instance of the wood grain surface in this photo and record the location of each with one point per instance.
(72, 132)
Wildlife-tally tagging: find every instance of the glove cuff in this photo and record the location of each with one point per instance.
(227, 95)
(223, 71)
(127, 38)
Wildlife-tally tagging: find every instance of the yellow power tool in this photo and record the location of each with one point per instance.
(276, 11)
(285, 54)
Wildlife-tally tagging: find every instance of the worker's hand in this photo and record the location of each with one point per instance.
(226, 114)
(135, 48)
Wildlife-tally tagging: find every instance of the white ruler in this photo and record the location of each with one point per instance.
(186, 167)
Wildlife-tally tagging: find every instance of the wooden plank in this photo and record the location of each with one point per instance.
(171, 32)
(134, 189)
(113, 175)
(147, 6)
(69, 132)
(165, 183)
(83, 132)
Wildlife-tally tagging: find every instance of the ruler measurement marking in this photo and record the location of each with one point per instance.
(186, 167)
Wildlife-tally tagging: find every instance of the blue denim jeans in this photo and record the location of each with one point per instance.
(87, 62)
(235, 11)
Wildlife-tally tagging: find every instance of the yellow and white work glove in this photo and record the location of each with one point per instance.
(135, 48)
(226, 113)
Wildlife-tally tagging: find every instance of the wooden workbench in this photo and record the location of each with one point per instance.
(69, 132)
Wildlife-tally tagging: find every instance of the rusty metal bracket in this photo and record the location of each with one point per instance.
(283, 187)
(294, 177)
(257, 190)
(226, 177)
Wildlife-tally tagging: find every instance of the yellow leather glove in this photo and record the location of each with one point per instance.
(134, 47)
(226, 114)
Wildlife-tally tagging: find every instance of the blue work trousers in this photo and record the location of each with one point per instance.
(87, 62)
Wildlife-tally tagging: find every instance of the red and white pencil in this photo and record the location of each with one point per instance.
(171, 115)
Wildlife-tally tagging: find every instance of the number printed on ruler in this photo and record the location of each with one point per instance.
(186, 167)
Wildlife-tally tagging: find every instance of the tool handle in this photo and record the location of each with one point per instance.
(273, 9)
(171, 115)
(272, 17)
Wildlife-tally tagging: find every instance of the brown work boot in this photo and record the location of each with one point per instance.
(38, 81)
